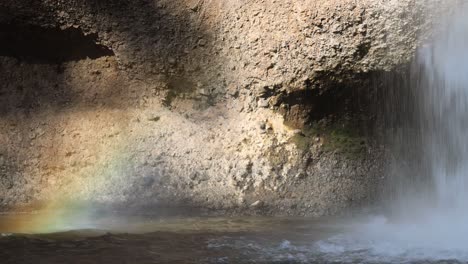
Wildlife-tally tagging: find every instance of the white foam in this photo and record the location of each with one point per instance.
(379, 240)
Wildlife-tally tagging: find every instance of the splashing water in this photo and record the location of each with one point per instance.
(429, 219)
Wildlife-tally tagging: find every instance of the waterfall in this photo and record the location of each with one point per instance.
(445, 113)
(433, 136)
(426, 116)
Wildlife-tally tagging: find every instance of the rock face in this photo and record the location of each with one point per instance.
(240, 106)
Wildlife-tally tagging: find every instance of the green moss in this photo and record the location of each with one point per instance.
(345, 140)
(302, 142)
(340, 137)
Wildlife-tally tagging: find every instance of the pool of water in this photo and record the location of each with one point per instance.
(146, 239)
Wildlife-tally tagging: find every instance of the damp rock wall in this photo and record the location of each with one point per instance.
(243, 107)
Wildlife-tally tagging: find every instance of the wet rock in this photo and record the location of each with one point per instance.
(251, 50)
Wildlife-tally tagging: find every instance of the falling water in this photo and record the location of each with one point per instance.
(428, 219)
(435, 130)
(444, 114)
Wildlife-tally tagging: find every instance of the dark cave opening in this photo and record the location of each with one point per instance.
(348, 116)
(352, 99)
(35, 44)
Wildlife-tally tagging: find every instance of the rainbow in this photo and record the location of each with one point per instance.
(70, 204)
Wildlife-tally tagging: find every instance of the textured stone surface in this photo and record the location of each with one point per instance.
(190, 110)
